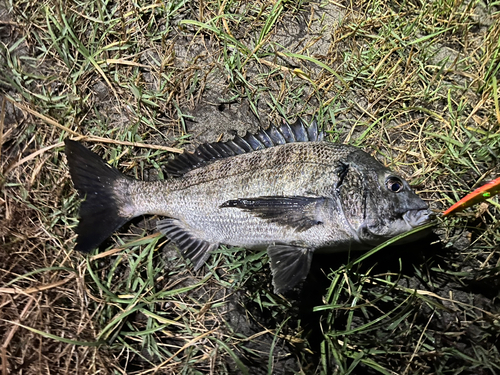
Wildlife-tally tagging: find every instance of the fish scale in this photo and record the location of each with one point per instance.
(283, 188)
(281, 178)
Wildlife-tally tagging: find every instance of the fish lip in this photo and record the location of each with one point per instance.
(417, 217)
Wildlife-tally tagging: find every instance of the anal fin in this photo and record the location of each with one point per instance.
(289, 264)
(192, 247)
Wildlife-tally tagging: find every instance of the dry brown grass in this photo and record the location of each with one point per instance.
(412, 83)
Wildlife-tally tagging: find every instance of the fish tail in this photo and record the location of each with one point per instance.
(102, 211)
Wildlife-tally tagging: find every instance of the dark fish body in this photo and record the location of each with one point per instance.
(283, 189)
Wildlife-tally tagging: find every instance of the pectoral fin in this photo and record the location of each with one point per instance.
(296, 212)
(289, 265)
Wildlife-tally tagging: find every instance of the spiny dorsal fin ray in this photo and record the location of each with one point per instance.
(270, 137)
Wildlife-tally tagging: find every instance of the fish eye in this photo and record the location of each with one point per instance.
(394, 184)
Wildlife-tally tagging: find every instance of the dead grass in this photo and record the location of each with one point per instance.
(414, 83)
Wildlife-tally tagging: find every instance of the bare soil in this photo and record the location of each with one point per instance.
(430, 307)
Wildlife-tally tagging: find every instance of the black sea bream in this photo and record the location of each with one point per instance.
(284, 189)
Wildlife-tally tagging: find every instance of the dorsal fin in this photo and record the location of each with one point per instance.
(270, 137)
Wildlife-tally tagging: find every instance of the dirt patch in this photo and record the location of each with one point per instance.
(412, 85)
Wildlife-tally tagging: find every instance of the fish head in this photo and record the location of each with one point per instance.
(378, 203)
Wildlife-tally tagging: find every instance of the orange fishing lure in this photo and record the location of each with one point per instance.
(480, 194)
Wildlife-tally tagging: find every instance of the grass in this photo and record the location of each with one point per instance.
(413, 83)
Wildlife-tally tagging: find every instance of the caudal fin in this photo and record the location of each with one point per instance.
(95, 180)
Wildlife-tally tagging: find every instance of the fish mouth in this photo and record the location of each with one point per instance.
(415, 218)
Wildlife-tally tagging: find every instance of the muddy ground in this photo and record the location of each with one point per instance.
(423, 104)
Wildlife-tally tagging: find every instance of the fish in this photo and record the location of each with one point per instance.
(284, 189)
